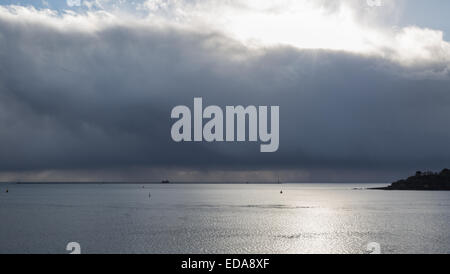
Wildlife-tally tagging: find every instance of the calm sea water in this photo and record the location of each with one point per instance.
(221, 219)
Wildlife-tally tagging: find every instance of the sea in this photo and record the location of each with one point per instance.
(221, 219)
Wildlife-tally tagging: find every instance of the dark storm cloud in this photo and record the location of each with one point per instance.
(82, 100)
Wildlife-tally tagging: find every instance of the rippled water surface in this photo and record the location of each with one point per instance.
(221, 219)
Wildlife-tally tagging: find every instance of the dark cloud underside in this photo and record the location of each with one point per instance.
(80, 100)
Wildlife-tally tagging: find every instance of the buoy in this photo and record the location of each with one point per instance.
(281, 192)
(7, 191)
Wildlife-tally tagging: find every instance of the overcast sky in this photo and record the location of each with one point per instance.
(87, 87)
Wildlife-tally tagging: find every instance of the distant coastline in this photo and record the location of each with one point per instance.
(422, 181)
(143, 183)
(360, 185)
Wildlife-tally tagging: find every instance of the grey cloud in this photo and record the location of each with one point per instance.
(81, 100)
